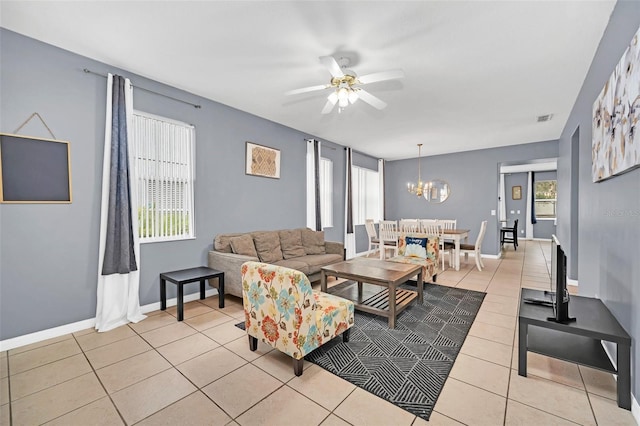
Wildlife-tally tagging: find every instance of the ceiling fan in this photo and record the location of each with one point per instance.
(346, 85)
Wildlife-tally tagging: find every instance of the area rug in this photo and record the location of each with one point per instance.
(408, 365)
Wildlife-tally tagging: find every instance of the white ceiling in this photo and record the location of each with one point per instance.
(478, 73)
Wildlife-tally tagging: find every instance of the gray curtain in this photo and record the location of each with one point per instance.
(316, 174)
(119, 257)
(349, 192)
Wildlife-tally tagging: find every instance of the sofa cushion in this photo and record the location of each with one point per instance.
(222, 242)
(291, 243)
(294, 264)
(313, 241)
(268, 246)
(317, 261)
(243, 245)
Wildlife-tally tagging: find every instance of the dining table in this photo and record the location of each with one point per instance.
(456, 235)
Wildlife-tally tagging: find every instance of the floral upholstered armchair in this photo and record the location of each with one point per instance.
(283, 311)
(419, 249)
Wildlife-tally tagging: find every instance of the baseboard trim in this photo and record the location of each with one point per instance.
(74, 327)
(572, 282)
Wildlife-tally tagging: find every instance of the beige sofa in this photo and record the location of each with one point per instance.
(301, 249)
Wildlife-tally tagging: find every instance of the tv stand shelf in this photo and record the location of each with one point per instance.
(579, 341)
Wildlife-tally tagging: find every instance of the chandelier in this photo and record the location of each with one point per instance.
(420, 187)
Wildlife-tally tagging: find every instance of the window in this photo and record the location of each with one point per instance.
(326, 192)
(545, 202)
(163, 153)
(366, 195)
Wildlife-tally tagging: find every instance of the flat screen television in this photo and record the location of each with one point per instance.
(559, 292)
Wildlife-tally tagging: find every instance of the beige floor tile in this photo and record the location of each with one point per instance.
(241, 347)
(334, 420)
(480, 373)
(522, 415)
(209, 320)
(284, 407)
(494, 318)
(241, 389)
(210, 366)
(4, 391)
(184, 349)
(279, 365)
(436, 419)
(57, 400)
(553, 369)
(469, 404)
(608, 413)
(472, 286)
(94, 340)
(36, 357)
(45, 376)
(98, 413)
(40, 344)
(492, 332)
(364, 408)
(5, 415)
(322, 387)
(505, 300)
(191, 309)
(225, 333)
(599, 382)
(117, 351)
(500, 308)
(152, 322)
(167, 334)
(85, 331)
(487, 350)
(150, 395)
(563, 401)
(4, 367)
(195, 409)
(504, 290)
(132, 370)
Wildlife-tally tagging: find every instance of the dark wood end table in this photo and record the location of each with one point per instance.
(186, 276)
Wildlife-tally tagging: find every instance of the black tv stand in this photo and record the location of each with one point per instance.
(579, 341)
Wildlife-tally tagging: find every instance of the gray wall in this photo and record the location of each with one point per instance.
(608, 212)
(545, 228)
(511, 180)
(48, 262)
(473, 176)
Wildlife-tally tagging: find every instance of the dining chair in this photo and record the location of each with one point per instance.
(426, 222)
(388, 236)
(433, 227)
(447, 246)
(409, 225)
(372, 234)
(510, 235)
(475, 248)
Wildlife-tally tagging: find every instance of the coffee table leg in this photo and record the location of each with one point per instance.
(522, 349)
(323, 281)
(163, 294)
(221, 291)
(359, 291)
(180, 303)
(392, 306)
(420, 287)
(201, 289)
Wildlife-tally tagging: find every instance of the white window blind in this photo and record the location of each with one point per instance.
(326, 192)
(366, 195)
(163, 152)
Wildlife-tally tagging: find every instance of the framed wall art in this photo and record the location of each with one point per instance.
(615, 144)
(262, 161)
(516, 192)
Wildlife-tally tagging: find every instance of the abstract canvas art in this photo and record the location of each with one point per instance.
(262, 161)
(615, 147)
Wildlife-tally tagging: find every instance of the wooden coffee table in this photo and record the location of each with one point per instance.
(389, 302)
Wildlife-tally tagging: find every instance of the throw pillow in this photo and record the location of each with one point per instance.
(268, 246)
(313, 241)
(413, 246)
(291, 243)
(243, 244)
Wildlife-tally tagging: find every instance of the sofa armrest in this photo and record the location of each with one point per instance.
(334, 247)
(230, 264)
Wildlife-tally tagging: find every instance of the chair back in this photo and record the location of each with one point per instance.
(448, 223)
(431, 229)
(424, 223)
(515, 227)
(409, 225)
(388, 230)
(483, 229)
(371, 229)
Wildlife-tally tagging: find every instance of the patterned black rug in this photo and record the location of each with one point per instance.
(408, 365)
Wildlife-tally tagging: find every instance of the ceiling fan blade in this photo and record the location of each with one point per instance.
(332, 66)
(331, 102)
(381, 76)
(371, 100)
(307, 89)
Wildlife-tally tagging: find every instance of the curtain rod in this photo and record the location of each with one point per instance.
(88, 71)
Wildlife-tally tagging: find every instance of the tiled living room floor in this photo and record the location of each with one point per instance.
(201, 371)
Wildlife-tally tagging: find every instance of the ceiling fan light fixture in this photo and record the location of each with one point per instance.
(353, 96)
